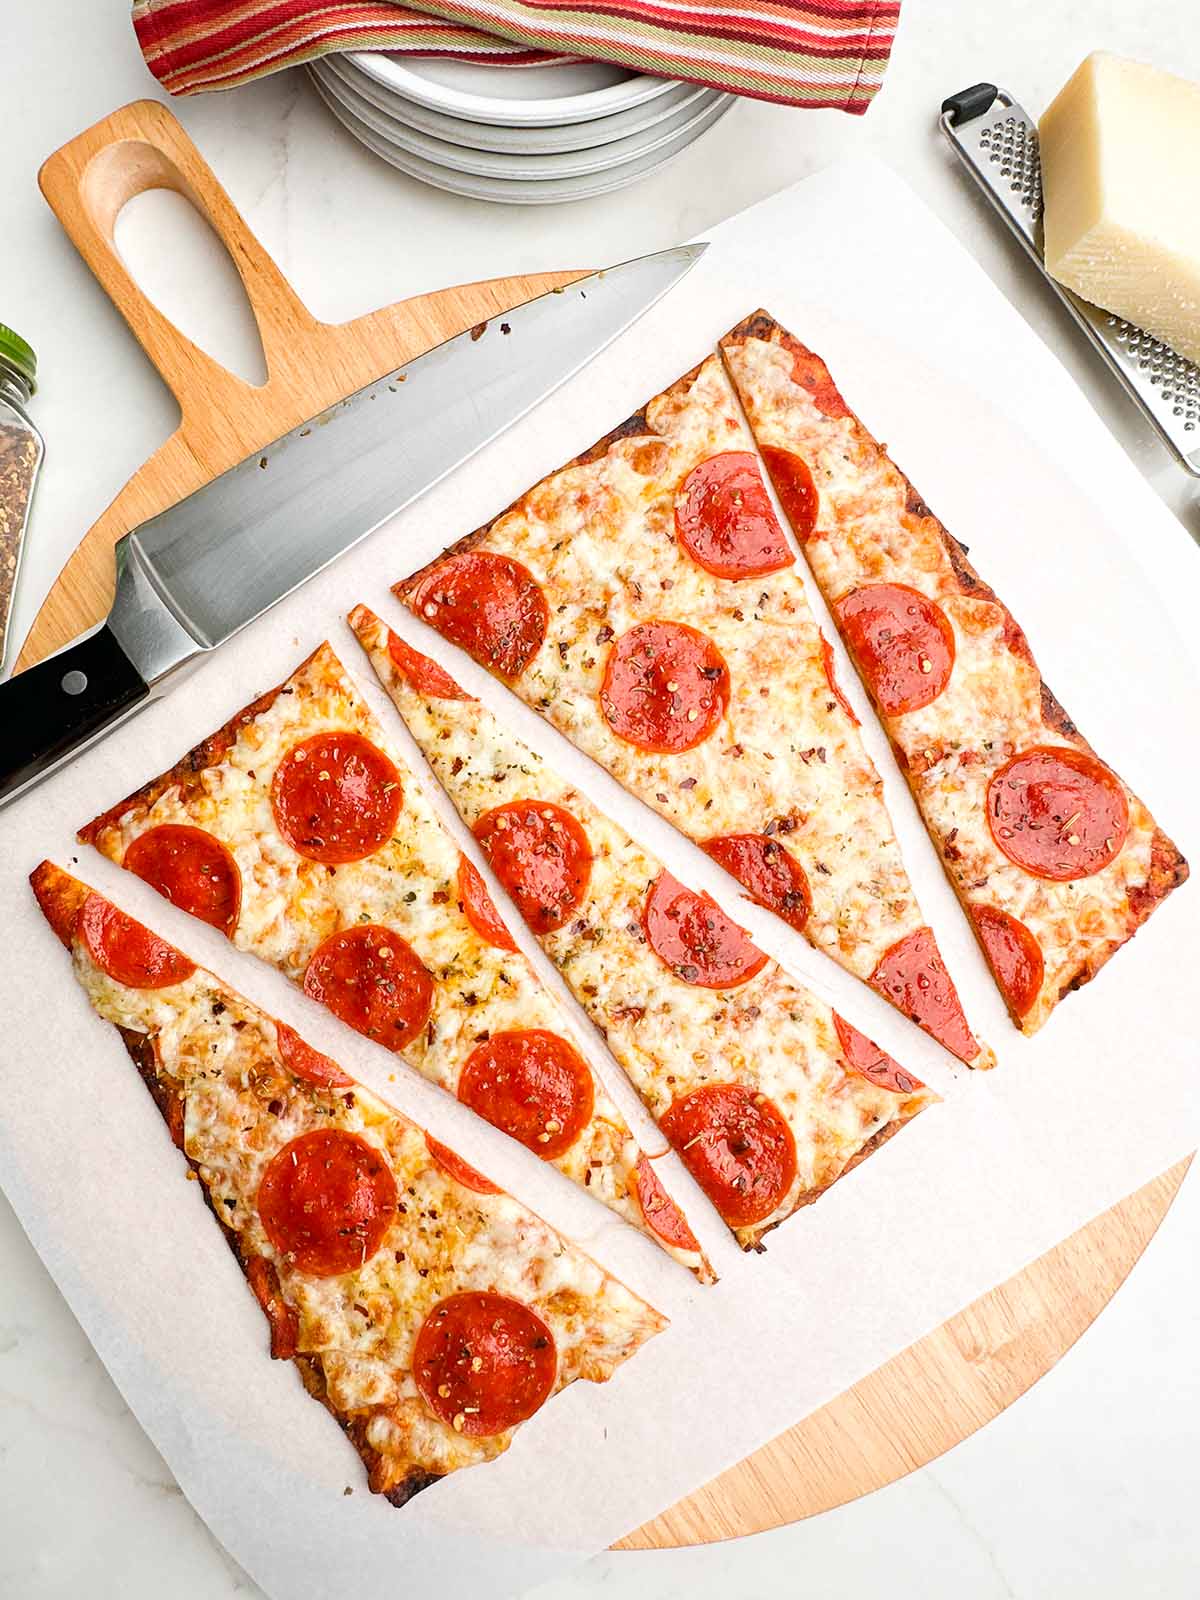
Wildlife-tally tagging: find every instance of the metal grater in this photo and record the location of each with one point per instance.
(997, 142)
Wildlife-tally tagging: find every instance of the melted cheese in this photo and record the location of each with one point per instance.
(242, 1106)
(990, 709)
(600, 540)
(290, 905)
(671, 1037)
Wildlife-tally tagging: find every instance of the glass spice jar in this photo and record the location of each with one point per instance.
(21, 451)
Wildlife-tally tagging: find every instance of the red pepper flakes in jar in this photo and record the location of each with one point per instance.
(21, 452)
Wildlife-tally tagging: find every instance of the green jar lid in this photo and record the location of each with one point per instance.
(18, 354)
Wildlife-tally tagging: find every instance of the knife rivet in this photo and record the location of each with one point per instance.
(74, 682)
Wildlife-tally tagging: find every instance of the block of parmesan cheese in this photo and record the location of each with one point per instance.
(1122, 182)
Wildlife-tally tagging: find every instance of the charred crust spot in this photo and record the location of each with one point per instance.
(969, 581)
(1055, 717)
(759, 324)
(1168, 869)
(140, 1049)
(914, 505)
(1087, 971)
(411, 1485)
(973, 587)
(355, 1429)
(631, 428)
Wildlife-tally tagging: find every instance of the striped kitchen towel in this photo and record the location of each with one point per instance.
(817, 54)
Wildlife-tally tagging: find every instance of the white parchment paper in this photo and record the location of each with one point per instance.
(1107, 586)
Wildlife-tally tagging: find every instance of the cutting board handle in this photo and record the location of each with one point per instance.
(311, 365)
(142, 147)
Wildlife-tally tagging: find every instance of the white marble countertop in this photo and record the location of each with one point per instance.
(1084, 1487)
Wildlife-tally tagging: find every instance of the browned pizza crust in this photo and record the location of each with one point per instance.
(634, 426)
(811, 1196)
(354, 1426)
(61, 898)
(398, 1475)
(186, 771)
(1168, 868)
(761, 324)
(265, 1288)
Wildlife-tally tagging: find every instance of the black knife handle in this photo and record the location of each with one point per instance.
(48, 710)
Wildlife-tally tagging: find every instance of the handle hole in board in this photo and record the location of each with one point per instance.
(74, 682)
(181, 265)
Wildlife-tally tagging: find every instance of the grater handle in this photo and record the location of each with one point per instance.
(996, 140)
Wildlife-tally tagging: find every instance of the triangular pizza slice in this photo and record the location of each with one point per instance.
(429, 1311)
(645, 600)
(298, 833)
(767, 1094)
(1055, 860)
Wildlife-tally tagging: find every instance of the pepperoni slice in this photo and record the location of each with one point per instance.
(484, 1362)
(489, 604)
(811, 373)
(725, 520)
(326, 1201)
(455, 1167)
(690, 934)
(866, 1058)
(914, 978)
(796, 490)
(373, 980)
(771, 875)
(1058, 812)
(336, 798)
(1014, 954)
(127, 951)
(542, 856)
(479, 908)
(665, 687)
(423, 672)
(662, 1215)
(737, 1146)
(532, 1085)
(304, 1062)
(831, 679)
(192, 869)
(903, 644)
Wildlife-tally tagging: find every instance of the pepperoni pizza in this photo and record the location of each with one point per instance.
(423, 1306)
(1055, 860)
(645, 600)
(768, 1096)
(297, 833)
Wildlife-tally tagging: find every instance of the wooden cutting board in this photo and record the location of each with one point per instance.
(926, 1399)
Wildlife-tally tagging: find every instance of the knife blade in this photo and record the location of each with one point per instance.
(193, 576)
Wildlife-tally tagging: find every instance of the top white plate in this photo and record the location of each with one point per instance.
(512, 96)
(522, 140)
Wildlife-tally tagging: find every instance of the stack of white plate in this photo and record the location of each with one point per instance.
(526, 135)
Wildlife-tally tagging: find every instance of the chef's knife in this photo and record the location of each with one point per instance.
(193, 576)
